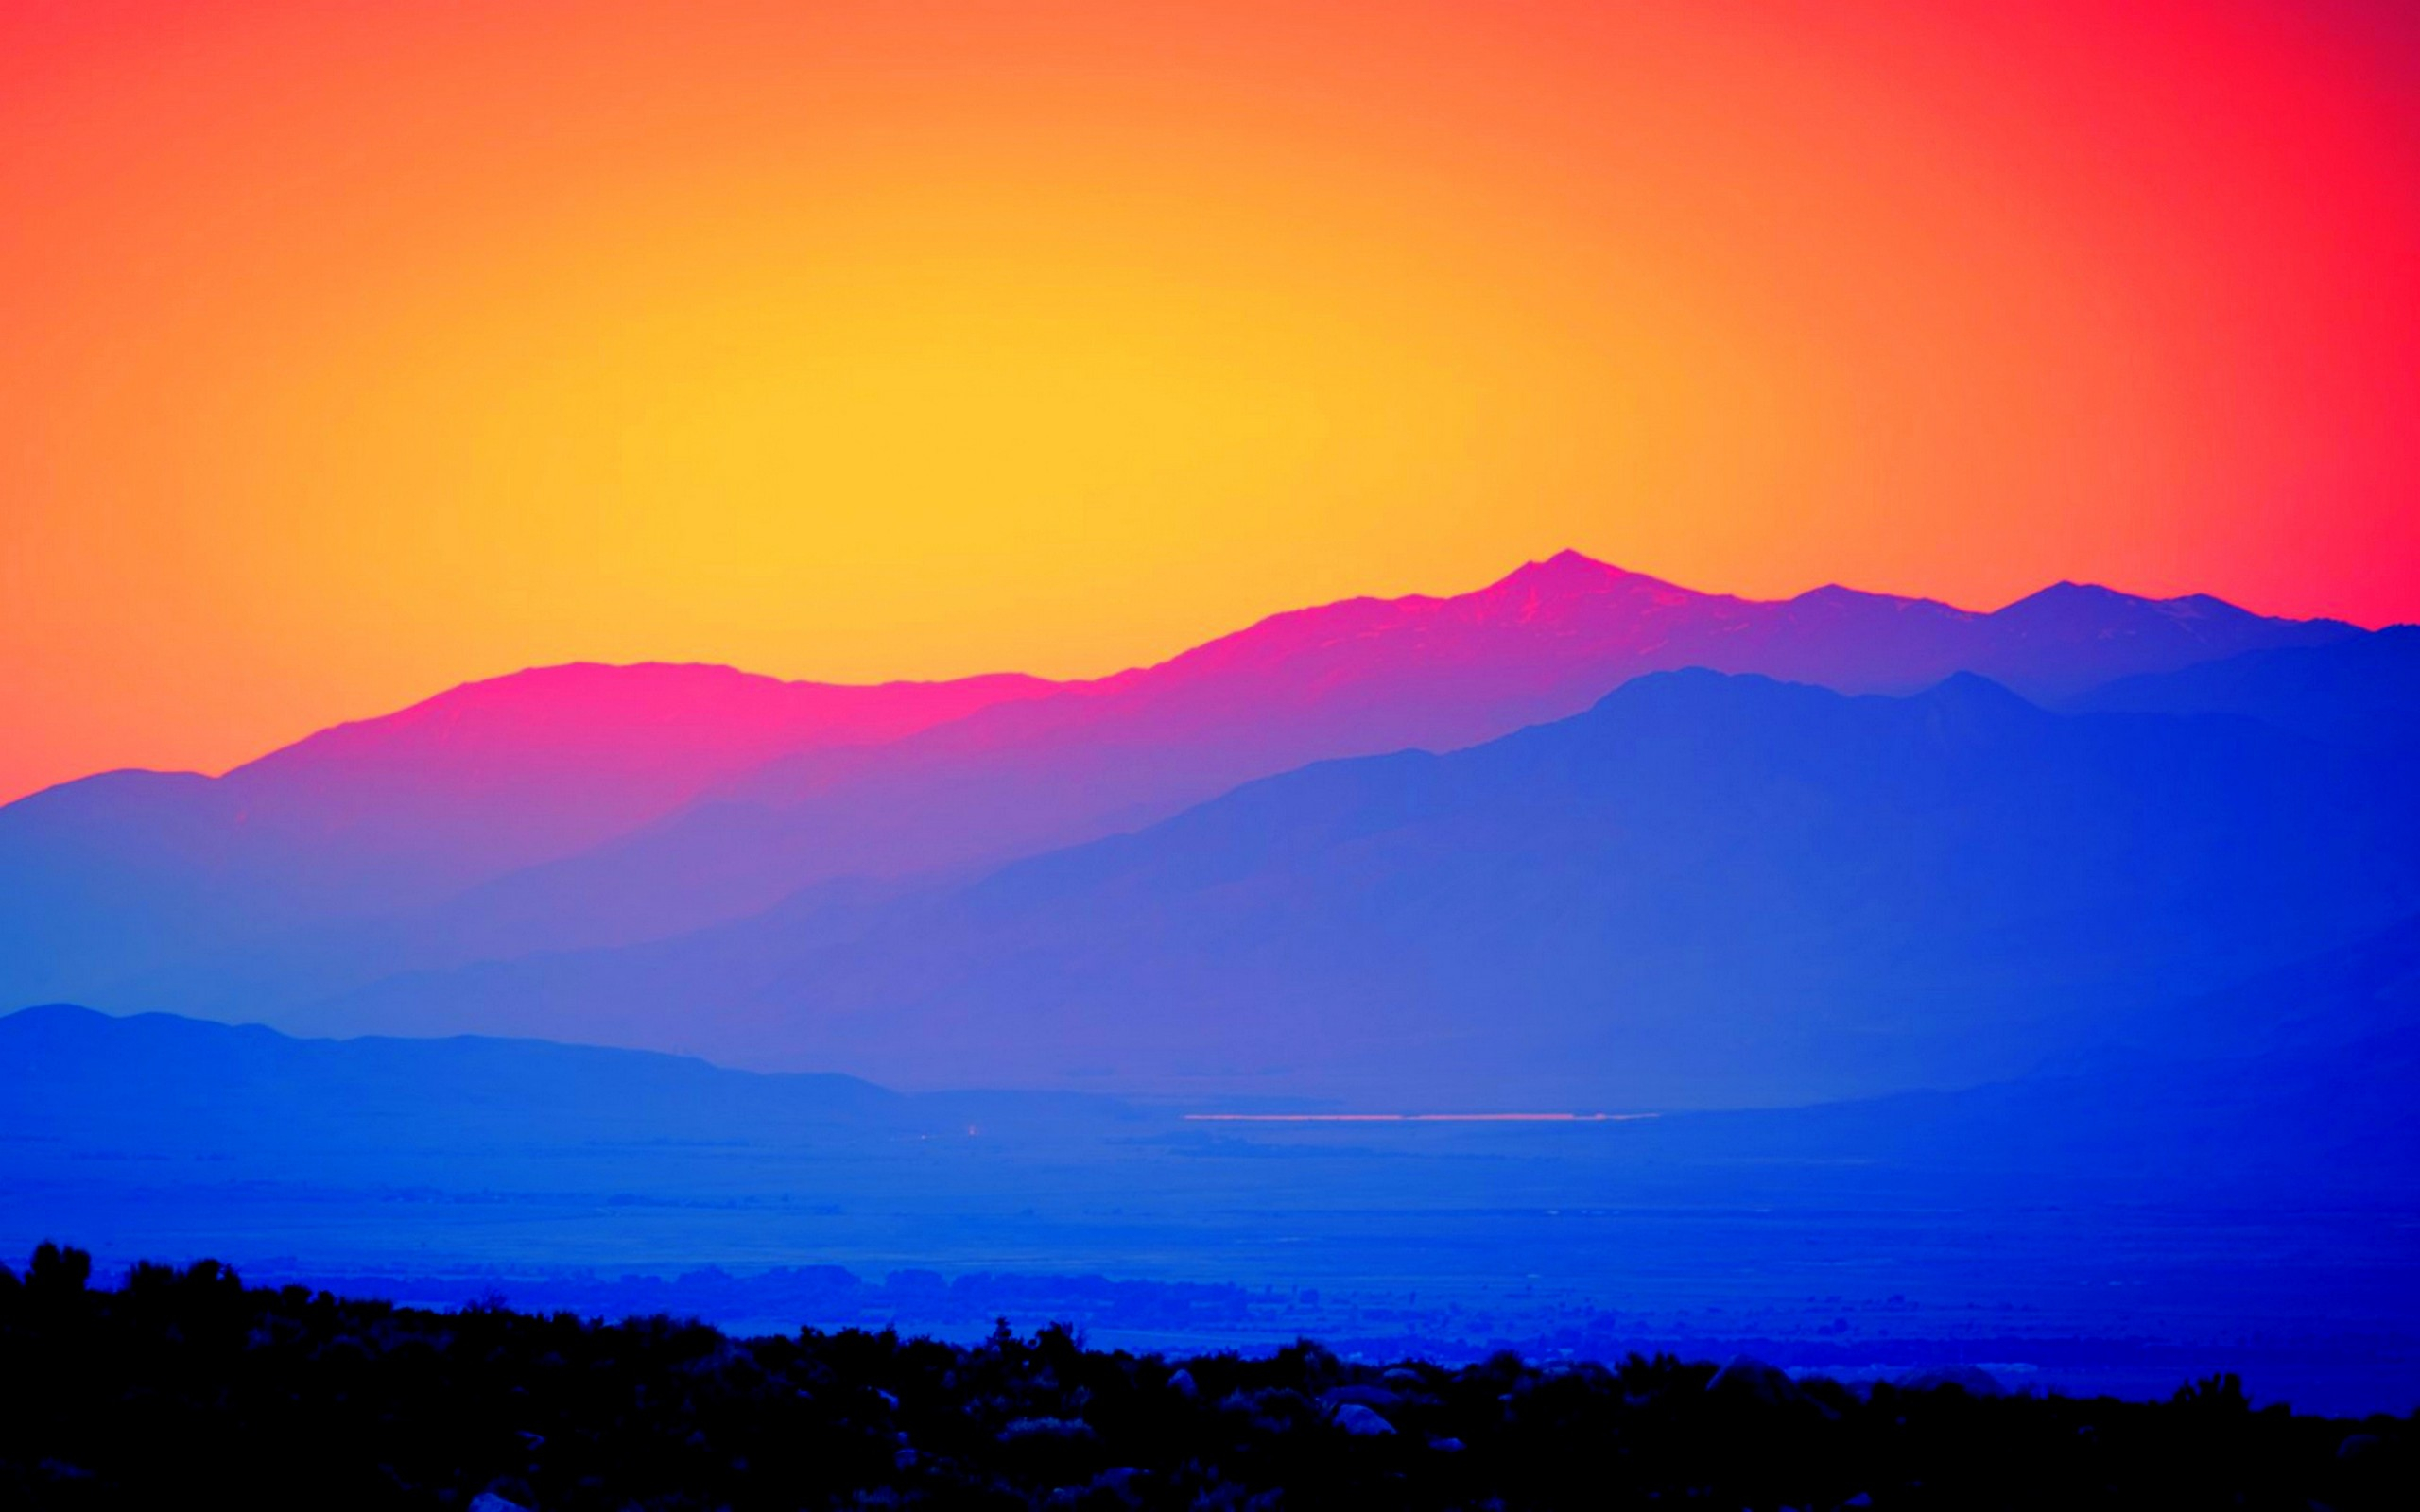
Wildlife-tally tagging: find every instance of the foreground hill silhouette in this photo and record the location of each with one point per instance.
(183, 1384)
(1705, 890)
(590, 806)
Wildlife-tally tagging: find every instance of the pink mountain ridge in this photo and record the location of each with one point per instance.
(546, 761)
(583, 805)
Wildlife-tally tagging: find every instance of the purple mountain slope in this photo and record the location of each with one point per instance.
(1705, 890)
(1025, 768)
(399, 812)
(2364, 691)
(1352, 678)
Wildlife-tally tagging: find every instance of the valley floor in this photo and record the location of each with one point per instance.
(2317, 1306)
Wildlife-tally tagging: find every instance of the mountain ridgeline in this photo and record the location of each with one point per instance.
(1579, 838)
(1706, 890)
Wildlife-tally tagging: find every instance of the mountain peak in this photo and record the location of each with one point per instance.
(1568, 574)
(1564, 566)
(1974, 689)
(2066, 596)
(2067, 593)
(1835, 597)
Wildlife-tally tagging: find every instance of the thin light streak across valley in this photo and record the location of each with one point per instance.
(1417, 1118)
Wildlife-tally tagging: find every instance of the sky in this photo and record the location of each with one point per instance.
(355, 351)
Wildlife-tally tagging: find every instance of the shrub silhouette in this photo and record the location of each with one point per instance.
(55, 1271)
(181, 1384)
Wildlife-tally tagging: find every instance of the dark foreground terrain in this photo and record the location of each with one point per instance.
(183, 1385)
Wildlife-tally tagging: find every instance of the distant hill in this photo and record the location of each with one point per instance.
(2294, 1084)
(2317, 1113)
(412, 844)
(1705, 890)
(2362, 691)
(2369, 989)
(153, 1084)
(157, 1078)
(129, 870)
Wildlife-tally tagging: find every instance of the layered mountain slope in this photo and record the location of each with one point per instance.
(2363, 691)
(2369, 989)
(2315, 1105)
(1706, 890)
(490, 824)
(1358, 677)
(134, 868)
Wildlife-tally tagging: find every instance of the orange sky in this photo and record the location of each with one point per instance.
(353, 351)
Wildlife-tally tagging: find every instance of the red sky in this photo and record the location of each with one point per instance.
(354, 352)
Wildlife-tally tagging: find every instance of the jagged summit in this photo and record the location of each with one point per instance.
(1570, 573)
(1565, 569)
